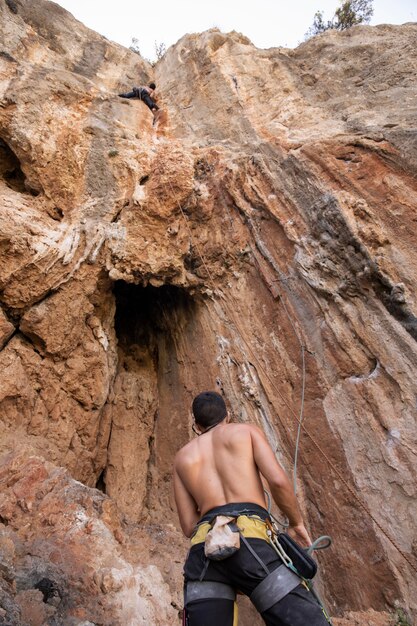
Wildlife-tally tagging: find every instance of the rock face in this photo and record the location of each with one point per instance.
(260, 241)
(77, 571)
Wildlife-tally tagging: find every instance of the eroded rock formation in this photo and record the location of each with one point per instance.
(266, 222)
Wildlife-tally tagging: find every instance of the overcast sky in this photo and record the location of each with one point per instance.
(267, 23)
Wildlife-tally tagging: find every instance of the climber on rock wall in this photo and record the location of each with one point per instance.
(144, 93)
(221, 505)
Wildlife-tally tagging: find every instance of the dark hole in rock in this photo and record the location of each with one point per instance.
(12, 5)
(144, 313)
(48, 588)
(56, 213)
(33, 191)
(10, 170)
(101, 483)
(192, 262)
(400, 312)
(155, 327)
(7, 56)
(143, 180)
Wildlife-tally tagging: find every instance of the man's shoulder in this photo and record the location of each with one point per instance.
(239, 432)
(242, 427)
(184, 452)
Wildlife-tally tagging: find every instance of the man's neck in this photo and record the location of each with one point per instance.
(211, 427)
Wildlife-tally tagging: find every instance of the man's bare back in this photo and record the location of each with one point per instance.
(219, 493)
(218, 468)
(224, 465)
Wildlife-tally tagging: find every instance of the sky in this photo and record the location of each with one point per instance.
(267, 23)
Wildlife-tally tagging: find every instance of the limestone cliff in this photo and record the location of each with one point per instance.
(259, 240)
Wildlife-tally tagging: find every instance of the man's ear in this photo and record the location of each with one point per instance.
(195, 428)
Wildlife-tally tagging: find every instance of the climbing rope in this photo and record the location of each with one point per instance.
(329, 462)
(299, 418)
(261, 153)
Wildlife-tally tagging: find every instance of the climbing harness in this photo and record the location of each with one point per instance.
(207, 589)
(294, 557)
(299, 560)
(249, 526)
(298, 567)
(289, 550)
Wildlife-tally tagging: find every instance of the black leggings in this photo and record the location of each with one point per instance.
(140, 93)
(243, 572)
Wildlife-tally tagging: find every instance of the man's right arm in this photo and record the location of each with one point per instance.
(186, 506)
(279, 484)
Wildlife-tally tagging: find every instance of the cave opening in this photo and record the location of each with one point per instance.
(154, 327)
(10, 169)
(144, 314)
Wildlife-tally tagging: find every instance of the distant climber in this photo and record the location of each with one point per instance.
(144, 93)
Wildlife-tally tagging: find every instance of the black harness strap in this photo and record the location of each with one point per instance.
(206, 589)
(204, 570)
(252, 551)
(273, 588)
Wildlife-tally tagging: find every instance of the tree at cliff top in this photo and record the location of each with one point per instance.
(350, 13)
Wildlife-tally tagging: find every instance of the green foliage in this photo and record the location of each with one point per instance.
(401, 618)
(318, 26)
(352, 12)
(348, 14)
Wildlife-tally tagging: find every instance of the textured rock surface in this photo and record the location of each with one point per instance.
(63, 554)
(269, 219)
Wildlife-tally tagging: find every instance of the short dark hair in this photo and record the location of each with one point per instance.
(152, 85)
(209, 408)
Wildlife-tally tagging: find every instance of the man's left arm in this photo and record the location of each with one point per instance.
(186, 506)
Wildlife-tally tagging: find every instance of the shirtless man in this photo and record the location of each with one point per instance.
(146, 94)
(219, 473)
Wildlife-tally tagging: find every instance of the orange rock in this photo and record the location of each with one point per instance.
(267, 221)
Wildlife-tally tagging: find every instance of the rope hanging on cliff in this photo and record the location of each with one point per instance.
(263, 154)
(299, 419)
